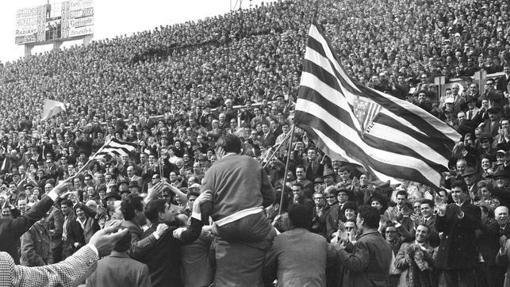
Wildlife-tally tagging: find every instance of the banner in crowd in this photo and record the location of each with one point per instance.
(114, 147)
(51, 108)
(389, 137)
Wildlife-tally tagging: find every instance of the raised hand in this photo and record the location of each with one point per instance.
(105, 239)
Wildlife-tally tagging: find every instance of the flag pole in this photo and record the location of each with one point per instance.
(289, 150)
(160, 164)
(90, 159)
(270, 156)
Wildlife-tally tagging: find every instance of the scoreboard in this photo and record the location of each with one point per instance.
(54, 22)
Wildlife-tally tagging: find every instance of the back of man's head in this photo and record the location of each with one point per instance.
(370, 216)
(230, 143)
(124, 243)
(153, 208)
(300, 216)
(131, 204)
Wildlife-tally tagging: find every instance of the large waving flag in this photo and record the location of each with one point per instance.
(51, 108)
(389, 137)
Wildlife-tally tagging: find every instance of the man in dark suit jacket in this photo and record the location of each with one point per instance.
(12, 229)
(134, 218)
(164, 258)
(369, 262)
(458, 253)
(428, 219)
(72, 235)
(268, 137)
(313, 165)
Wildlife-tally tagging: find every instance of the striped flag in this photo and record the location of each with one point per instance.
(115, 148)
(389, 137)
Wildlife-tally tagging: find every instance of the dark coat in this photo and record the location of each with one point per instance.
(369, 263)
(164, 259)
(35, 246)
(12, 229)
(458, 248)
(75, 239)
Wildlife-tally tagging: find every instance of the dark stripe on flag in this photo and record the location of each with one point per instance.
(442, 147)
(321, 73)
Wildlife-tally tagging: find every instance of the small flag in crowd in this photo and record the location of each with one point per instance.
(51, 108)
(389, 137)
(115, 148)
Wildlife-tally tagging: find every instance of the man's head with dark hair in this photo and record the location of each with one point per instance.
(229, 143)
(153, 208)
(401, 198)
(123, 244)
(161, 211)
(458, 183)
(459, 191)
(132, 207)
(368, 217)
(300, 216)
(428, 202)
(67, 207)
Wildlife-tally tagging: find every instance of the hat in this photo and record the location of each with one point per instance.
(469, 171)
(502, 172)
(113, 194)
(501, 151)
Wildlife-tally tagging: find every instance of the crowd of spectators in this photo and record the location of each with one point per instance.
(175, 90)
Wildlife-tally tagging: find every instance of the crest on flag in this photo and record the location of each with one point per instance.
(366, 111)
